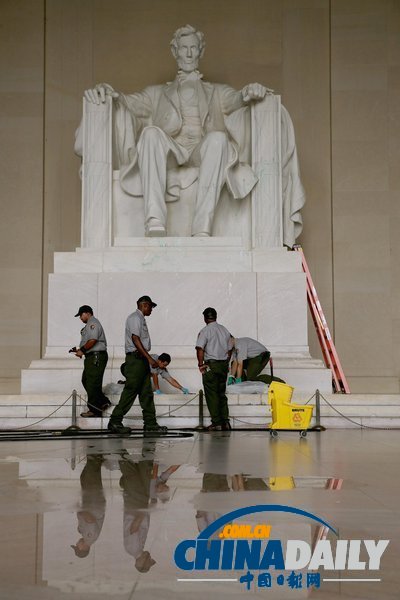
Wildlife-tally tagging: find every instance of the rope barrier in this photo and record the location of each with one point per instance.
(169, 412)
(47, 416)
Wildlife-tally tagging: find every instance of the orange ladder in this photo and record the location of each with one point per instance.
(339, 382)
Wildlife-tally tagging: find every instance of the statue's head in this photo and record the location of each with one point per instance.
(187, 46)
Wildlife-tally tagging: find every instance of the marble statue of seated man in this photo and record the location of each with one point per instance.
(203, 126)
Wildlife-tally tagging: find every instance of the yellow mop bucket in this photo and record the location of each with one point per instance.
(285, 415)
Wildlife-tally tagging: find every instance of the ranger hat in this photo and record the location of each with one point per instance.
(146, 299)
(83, 309)
(210, 312)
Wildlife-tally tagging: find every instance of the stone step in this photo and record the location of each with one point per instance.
(356, 401)
(36, 381)
(55, 375)
(281, 361)
(54, 411)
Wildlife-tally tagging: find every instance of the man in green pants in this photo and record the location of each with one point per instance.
(93, 346)
(137, 371)
(249, 359)
(214, 347)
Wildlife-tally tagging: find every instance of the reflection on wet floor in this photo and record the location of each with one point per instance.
(102, 518)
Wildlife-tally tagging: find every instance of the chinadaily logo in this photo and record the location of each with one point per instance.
(256, 558)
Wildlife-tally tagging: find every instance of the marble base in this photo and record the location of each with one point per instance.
(270, 307)
(177, 254)
(259, 294)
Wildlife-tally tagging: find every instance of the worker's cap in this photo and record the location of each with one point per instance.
(210, 313)
(83, 309)
(146, 299)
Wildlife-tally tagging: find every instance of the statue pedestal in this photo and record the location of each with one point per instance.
(256, 285)
(257, 293)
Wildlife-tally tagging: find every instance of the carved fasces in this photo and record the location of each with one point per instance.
(97, 174)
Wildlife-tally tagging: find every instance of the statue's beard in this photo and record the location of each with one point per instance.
(188, 66)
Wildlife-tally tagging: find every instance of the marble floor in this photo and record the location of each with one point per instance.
(101, 518)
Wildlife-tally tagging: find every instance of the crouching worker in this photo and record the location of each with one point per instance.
(249, 358)
(161, 370)
(162, 360)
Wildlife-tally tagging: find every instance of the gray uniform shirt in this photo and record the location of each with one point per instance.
(215, 340)
(248, 348)
(164, 373)
(93, 331)
(134, 542)
(136, 325)
(90, 531)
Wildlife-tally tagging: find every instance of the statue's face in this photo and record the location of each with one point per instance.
(188, 53)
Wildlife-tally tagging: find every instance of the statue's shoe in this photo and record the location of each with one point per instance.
(201, 234)
(155, 228)
(156, 231)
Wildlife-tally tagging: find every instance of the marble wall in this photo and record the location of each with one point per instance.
(366, 189)
(21, 183)
(336, 65)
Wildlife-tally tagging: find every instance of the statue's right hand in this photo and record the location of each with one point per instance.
(98, 94)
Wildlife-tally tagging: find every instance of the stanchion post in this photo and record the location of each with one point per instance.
(200, 426)
(73, 423)
(318, 426)
(73, 426)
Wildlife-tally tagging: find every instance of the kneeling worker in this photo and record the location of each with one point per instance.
(249, 359)
(93, 346)
(163, 361)
(137, 371)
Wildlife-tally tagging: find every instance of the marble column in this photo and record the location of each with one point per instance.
(266, 197)
(97, 175)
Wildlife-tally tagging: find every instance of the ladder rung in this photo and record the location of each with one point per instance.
(328, 349)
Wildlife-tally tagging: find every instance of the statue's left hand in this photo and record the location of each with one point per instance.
(98, 94)
(255, 91)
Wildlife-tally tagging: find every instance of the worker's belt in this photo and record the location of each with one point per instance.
(136, 354)
(96, 353)
(210, 360)
(262, 355)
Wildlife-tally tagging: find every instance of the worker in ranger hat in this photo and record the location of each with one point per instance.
(93, 346)
(93, 506)
(138, 362)
(214, 347)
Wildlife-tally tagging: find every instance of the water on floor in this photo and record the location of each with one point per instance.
(119, 518)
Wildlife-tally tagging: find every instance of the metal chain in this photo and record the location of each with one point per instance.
(170, 411)
(355, 422)
(48, 416)
(361, 425)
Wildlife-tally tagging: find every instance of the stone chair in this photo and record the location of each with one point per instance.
(109, 215)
